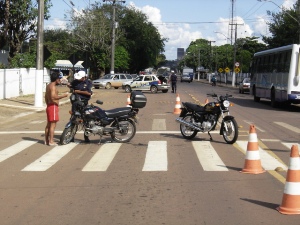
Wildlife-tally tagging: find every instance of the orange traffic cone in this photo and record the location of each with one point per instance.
(206, 101)
(252, 160)
(128, 101)
(177, 109)
(291, 196)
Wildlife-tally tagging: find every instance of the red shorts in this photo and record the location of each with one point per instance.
(52, 113)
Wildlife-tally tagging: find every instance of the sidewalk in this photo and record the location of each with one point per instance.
(13, 108)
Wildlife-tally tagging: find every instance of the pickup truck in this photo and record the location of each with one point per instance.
(147, 83)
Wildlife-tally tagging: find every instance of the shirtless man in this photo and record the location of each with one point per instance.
(52, 101)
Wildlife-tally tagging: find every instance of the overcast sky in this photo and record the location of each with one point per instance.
(185, 21)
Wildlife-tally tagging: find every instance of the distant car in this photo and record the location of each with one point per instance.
(244, 86)
(185, 78)
(112, 80)
(146, 83)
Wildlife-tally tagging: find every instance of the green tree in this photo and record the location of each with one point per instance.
(284, 27)
(142, 40)
(20, 24)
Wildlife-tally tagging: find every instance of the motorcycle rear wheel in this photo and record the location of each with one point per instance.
(186, 131)
(231, 135)
(68, 135)
(125, 132)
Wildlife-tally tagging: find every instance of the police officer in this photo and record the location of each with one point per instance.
(83, 88)
(173, 79)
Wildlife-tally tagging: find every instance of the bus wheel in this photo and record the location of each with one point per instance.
(273, 101)
(256, 99)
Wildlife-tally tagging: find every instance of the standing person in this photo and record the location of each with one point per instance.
(83, 88)
(52, 102)
(173, 79)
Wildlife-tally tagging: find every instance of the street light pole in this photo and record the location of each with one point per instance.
(113, 38)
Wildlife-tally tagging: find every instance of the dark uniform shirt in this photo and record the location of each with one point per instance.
(85, 85)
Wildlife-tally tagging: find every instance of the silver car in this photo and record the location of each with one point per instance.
(112, 80)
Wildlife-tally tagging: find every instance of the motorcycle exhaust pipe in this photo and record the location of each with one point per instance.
(188, 124)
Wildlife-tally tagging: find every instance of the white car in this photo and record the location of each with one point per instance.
(112, 80)
(147, 83)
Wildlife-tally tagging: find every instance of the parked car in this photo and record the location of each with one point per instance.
(146, 83)
(185, 78)
(112, 80)
(244, 86)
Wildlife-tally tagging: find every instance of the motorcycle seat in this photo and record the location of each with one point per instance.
(117, 112)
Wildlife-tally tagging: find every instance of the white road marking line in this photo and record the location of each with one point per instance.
(15, 149)
(270, 140)
(289, 145)
(159, 124)
(103, 157)
(256, 127)
(268, 162)
(37, 121)
(156, 156)
(208, 157)
(289, 127)
(50, 158)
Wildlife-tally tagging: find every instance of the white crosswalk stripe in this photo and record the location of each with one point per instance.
(156, 157)
(208, 157)
(50, 158)
(102, 159)
(15, 149)
(268, 162)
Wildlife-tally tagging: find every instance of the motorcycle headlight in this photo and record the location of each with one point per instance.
(226, 104)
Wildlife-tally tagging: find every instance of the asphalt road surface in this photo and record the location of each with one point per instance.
(158, 177)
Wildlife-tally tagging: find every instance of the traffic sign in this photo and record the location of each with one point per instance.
(237, 70)
(227, 69)
(237, 64)
(220, 70)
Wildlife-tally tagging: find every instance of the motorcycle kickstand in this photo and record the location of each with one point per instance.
(210, 136)
(100, 140)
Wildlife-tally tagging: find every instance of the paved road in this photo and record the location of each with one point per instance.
(157, 178)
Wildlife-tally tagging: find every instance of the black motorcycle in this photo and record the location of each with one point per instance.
(119, 123)
(195, 118)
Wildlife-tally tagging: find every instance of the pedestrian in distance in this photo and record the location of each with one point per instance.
(82, 88)
(213, 81)
(52, 110)
(173, 79)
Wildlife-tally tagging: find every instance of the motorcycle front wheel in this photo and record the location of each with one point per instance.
(68, 135)
(231, 134)
(125, 132)
(186, 131)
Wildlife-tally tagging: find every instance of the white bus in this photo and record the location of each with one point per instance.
(275, 75)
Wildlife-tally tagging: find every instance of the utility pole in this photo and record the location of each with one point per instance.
(39, 74)
(113, 38)
(234, 55)
(210, 54)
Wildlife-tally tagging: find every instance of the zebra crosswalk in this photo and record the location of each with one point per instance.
(155, 159)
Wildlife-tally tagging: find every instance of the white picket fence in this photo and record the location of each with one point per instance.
(20, 81)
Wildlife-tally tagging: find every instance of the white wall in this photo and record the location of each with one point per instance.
(19, 81)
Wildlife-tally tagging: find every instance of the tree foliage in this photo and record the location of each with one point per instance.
(285, 28)
(19, 23)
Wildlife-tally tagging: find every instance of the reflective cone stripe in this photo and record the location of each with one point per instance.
(177, 109)
(291, 197)
(252, 159)
(128, 101)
